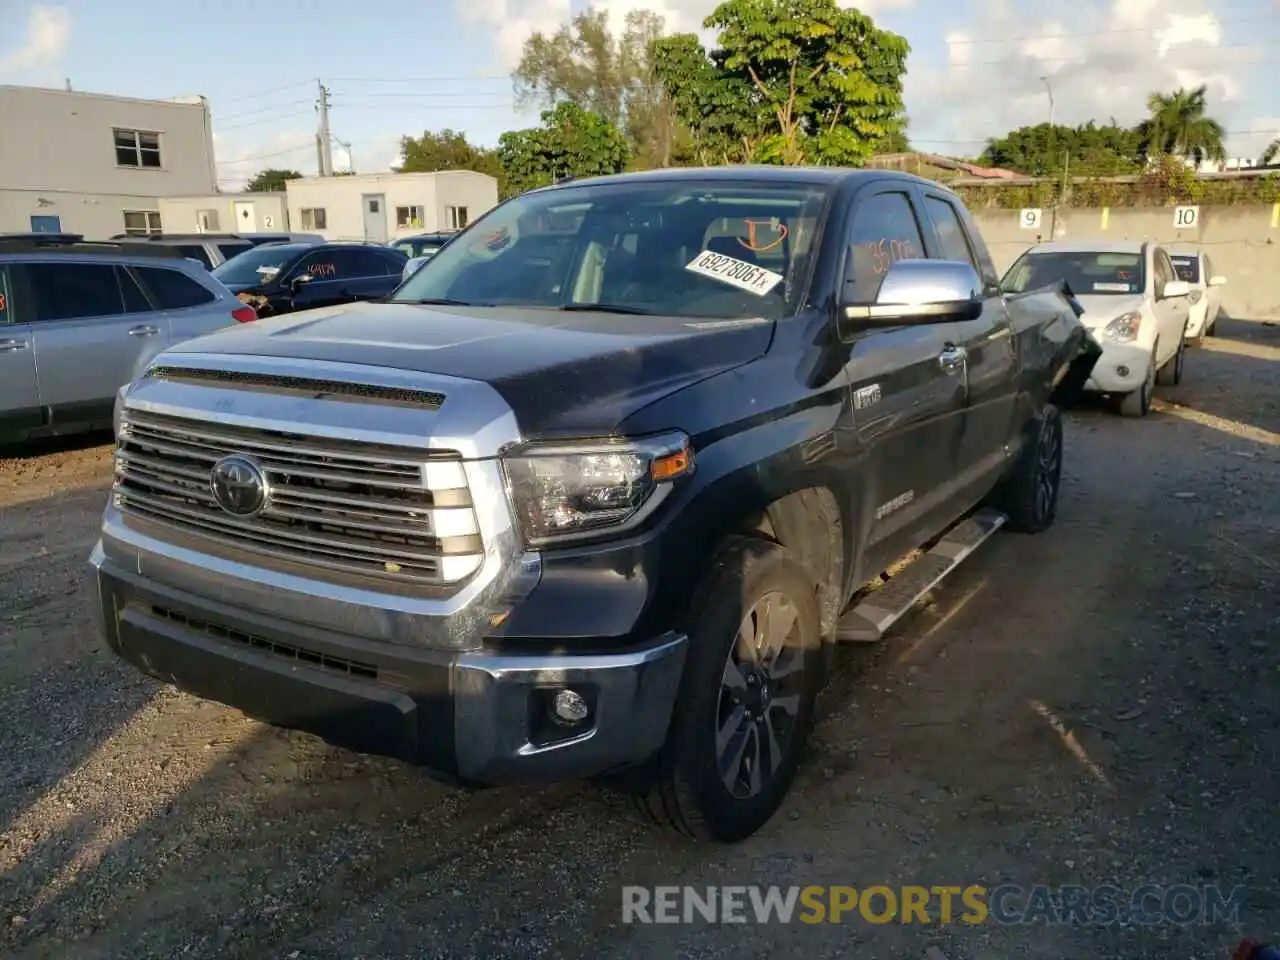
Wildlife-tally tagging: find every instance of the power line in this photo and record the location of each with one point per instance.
(274, 106)
(267, 156)
(343, 105)
(268, 92)
(223, 128)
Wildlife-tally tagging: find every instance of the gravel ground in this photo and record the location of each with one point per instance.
(1099, 704)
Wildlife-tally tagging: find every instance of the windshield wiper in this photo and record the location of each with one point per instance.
(435, 301)
(608, 308)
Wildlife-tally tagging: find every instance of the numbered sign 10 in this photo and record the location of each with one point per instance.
(1030, 218)
(1185, 218)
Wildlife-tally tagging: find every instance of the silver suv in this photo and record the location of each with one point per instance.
(77, 319)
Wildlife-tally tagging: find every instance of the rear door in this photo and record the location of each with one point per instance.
(92, 326)
(19, 393)
(990, 358)
(907, 384)
(188, 307)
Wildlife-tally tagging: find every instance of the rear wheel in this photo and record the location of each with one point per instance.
(1170, 375)
(751, 677)
(1137, 403)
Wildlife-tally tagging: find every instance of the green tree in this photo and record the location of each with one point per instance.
(572, 142)
(1044, 150)
(1179, 125)
(801, 81)
(267, 181)
(446, 150)
(895, 139)
(613, 77)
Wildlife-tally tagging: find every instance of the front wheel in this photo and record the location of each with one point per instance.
(751, 677)
(1137, 403)
(1170, 375)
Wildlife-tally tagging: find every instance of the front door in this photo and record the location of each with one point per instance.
(990, 358)
(92, 327)
(19, 395)
(907, 388)
(1171, 312)
(246, 217)
(375, 216)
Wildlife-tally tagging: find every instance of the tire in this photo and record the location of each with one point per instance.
(1210, 328)
(721, 705)
(1029, 495)
(1137, 403)
(1170, 375)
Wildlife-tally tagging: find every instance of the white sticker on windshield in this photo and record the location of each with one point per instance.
(737, 273)
(1111, 287)
(268, 271)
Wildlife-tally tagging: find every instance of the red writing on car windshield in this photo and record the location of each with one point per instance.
(322, 270)
(885, 253)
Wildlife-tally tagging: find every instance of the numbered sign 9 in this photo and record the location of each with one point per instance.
(1030, 218)
(1184, 218)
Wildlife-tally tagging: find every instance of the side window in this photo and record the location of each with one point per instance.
(366, 263)
(951, 236)
(6, 314)
(229, 250)
(135, 301)
(70, 291)
(884, 231)
(173, 290)
(326, 265)
(196, 251)
(1164, 271)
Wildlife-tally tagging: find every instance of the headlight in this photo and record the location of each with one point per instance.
(1194, 296)
(565, 491)
(1125, 326)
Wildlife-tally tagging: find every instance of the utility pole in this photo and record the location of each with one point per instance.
(324, 148)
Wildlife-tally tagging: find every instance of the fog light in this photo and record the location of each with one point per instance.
(1122, 371)
(569, 707)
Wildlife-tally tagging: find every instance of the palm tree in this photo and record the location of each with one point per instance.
(1179, 125)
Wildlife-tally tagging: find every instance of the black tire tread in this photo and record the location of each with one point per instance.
(1016, 496)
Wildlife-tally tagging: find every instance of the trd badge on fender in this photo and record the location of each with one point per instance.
(239, 486)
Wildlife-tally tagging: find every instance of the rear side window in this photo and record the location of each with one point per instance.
(135, 301)
(366, 263)
(229, 250)
(5, 312)
(196, 251)
(951, 237)
(69, 291)
(173, 290)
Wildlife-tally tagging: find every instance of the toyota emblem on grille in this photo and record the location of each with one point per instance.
(239, 486)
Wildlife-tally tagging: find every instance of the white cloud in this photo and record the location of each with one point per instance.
(240, 158)
(44, 43)
(1118, 53)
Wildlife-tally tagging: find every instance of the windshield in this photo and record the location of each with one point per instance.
(1187, 268)
(677, 248)
(256, 265)
(418, 248)
(1086, 272)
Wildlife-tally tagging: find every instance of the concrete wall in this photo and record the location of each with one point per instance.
(58, 158)
(341, 199)
(266, 212)
(1244, 243)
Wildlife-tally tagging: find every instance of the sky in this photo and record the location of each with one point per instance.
(978, 68)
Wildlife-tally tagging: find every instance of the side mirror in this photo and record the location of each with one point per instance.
(1217, 281)
(1175, 288)
(915, 292)
(301, 280)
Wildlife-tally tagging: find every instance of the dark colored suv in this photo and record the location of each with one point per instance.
(283, 277)
(214, 249)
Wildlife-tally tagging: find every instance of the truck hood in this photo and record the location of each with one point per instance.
(562, 373)
(1101, 309)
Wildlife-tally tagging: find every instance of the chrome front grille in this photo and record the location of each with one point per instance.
(383, 511)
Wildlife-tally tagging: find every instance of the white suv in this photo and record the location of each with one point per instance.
(1134, 303)
(1205, 297)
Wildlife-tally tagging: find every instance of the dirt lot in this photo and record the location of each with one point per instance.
(1097, 704)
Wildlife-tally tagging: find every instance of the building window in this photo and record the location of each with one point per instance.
(455, 217)
(137, 148)
(313, 218)
(409, 217)
(139, 223)
(207, 220)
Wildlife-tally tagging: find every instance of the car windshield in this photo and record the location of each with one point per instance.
(1086, 272)
(1186, 267)
(255, 265)
(682, 248)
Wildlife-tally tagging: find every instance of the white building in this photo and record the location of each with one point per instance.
(383, 206)
(266, 212)
(98, 165)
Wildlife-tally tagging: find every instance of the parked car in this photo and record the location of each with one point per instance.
(215, 249)
(1205, 298)
(282, 277)
(78, 320)
(1134, 303)
(420, 249)
(595, 492)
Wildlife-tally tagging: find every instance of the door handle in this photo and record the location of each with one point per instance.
(146, 330)
(952, 358)
(9, 346)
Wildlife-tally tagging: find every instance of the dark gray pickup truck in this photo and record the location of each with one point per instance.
(600, 488)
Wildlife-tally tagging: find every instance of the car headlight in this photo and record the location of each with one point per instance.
(1194, 296)
(1125, 326)
(567, 491)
